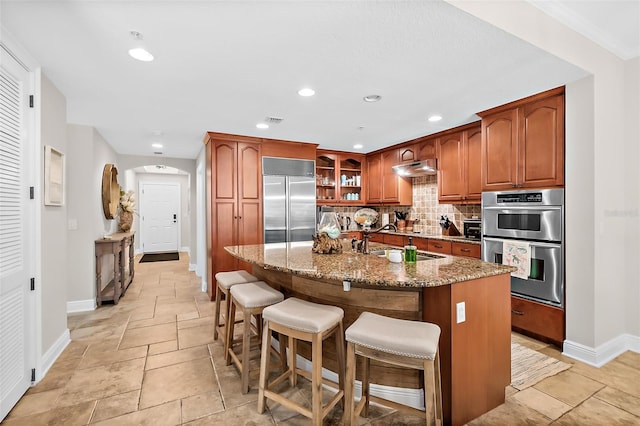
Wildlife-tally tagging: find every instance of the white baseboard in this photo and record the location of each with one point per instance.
(52, 354)
(81, 305)
(604, 353)
(192, 267)
(411, 397)
(204, 285)
(185, 250)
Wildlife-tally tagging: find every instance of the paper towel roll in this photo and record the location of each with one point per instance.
(385, 219)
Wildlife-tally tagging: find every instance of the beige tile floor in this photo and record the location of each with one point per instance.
(151, 360)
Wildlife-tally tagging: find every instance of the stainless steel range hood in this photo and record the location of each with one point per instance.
(417, 168)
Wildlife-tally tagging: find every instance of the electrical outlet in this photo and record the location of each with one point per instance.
(346, 285)
(461, 315)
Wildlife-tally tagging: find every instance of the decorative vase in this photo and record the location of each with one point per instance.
(126, 220)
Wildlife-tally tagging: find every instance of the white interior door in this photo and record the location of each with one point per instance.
(160, 211)
(17, 349)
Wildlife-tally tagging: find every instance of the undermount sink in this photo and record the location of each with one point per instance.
(419, 257)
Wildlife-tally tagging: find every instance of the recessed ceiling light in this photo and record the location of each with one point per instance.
(306, 92)
(156, 145)
(372, 98)
(140, 54)
(435, 118)
(262, 126)
(357, 146)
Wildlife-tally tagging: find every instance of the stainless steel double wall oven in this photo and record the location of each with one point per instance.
(536, 217)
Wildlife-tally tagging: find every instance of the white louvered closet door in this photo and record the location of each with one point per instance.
(16, 227)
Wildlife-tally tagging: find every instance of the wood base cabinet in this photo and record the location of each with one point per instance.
(523, 143)
(537, 320)
(234, 217)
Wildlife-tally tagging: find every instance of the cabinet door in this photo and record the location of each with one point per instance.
(224, 221)
(374, 178)
(389, 178)
(427, 149)
(450, 167)
(224, 169)
(541, 143)
(249, 216)
(408, 154)
(473, 150)
(499, 150)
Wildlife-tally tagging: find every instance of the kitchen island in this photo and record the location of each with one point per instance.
(475, 350)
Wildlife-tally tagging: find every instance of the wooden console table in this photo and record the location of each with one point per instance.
(115, 245)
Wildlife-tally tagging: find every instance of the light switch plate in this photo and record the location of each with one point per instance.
(461, 315)
(72, 224)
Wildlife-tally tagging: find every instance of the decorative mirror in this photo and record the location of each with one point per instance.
(110, 191)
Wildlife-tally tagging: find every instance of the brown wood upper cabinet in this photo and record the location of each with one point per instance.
(235, 207)
(330, 166)
(384, 186)
(523, 143)
(459, 168)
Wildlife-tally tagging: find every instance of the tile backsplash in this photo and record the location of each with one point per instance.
(425, 208)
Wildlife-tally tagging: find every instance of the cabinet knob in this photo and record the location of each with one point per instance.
(464, 250)
(513, 311)
(437, 246)
(513, 185)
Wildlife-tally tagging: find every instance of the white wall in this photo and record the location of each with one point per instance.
(201, 214)
(88, 152)
(53, 285)
(614, 221)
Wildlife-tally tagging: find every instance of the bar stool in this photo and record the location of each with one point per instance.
(251, 298)
(411, 344)
(226, 280)
(310, 322)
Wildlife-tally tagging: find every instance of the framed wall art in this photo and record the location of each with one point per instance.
(53, 177)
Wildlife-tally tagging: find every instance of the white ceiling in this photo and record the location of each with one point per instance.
(224, 66)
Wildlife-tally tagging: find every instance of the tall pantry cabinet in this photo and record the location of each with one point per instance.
(234, 200)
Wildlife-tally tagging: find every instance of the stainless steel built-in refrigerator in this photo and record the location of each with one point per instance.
(289, 199)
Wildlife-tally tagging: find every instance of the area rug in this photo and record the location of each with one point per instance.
(160, 257)
(528, 367)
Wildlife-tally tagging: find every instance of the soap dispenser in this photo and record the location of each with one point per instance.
(410, 252)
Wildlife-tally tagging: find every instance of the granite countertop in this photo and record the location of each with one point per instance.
(298, 259)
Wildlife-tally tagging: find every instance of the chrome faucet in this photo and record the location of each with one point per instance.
(365, 236)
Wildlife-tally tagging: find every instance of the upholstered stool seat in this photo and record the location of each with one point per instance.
(311, 322)
(399, 342)
(251, 298)
(226, 280)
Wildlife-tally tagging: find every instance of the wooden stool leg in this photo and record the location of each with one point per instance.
(216, 316)
(246, 349)
(229, 330)
(293, 350)
(350, 380)
(341, 360)
(264, 366)
(438, 390)
(316, 379)
(365, 386)
(282, 339)
(429, 391)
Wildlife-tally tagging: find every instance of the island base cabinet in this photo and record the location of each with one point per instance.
(475, 353)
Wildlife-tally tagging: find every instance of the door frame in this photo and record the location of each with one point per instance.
(179, 203)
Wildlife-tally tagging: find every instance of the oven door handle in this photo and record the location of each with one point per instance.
(531, 243)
